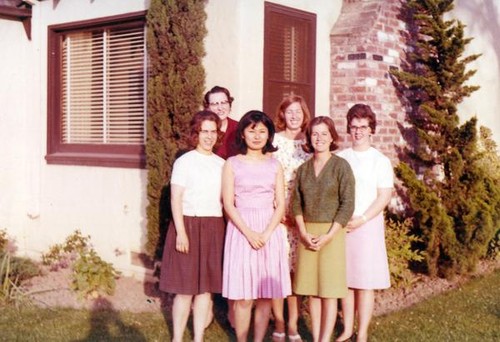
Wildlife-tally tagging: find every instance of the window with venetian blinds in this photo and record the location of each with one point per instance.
(103, 82)
(97, 92)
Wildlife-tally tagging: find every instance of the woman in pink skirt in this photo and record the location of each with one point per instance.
(255, 256)
(366, 256)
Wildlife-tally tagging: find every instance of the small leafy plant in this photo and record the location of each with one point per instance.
(91, 275)
(62, 255)
(401, 252)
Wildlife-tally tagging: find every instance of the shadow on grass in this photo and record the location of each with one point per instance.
(107, 325)
(218, 330)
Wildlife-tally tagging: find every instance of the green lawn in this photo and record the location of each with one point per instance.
(471, 313)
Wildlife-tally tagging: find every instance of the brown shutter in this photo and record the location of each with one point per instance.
(289, 55)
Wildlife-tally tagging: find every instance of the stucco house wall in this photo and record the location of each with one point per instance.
(235, 44)
(42, 204)
(482, 20)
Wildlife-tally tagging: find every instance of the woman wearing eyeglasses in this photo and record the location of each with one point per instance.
(219, 100)
(193, 252)
(366, 256)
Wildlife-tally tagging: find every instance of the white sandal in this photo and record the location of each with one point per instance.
(295, 338)
(279, 336)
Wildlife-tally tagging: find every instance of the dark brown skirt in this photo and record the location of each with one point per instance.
(200, 270)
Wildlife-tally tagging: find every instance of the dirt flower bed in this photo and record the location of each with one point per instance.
(52, 289)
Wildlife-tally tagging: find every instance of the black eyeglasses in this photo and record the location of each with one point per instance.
(359, 128)
(216, 104)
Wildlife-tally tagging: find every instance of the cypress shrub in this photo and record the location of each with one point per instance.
(175, 33)
(453, 200)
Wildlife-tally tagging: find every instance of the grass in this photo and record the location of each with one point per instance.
(471, 313)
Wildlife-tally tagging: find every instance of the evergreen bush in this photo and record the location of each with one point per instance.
(401, 251)
(453, 200)
(176, 82)
(490, 161)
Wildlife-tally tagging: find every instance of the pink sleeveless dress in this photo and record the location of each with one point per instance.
(250, 273)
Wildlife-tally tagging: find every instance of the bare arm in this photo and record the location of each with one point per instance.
(279, 202)
(384, 196)
(253, 238)
(181, 240)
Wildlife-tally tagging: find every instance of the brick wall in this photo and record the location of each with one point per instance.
(366, 42)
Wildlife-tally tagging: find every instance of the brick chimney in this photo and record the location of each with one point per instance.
(366, 42)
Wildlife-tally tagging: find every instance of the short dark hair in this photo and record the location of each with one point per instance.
(280, 121)
(361, 111)
(195, 124)
(215, 90)
(252, 118)
(307, 147)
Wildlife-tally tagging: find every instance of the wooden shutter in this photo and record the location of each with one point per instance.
(289, 55)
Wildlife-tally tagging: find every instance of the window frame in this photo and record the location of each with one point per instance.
(270, 104)
(108, 155)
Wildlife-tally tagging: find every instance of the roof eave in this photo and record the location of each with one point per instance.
(15, 13)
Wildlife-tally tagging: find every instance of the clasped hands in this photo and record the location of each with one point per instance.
(257, 240)
(313, 242)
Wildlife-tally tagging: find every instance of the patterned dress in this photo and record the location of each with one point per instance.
(249, 273)
(291, 155)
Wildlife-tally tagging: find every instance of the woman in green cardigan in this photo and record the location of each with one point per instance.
(323, 203)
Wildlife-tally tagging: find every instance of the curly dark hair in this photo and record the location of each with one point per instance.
(195, 124)
(215, 90)
(361, 111)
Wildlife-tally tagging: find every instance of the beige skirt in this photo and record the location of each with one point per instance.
(322, 273)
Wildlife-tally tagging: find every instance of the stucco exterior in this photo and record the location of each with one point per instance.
(482, 20)
(235, 44)
(42, 204)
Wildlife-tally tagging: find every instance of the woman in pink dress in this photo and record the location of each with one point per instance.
(366, 256)
(255, 257)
